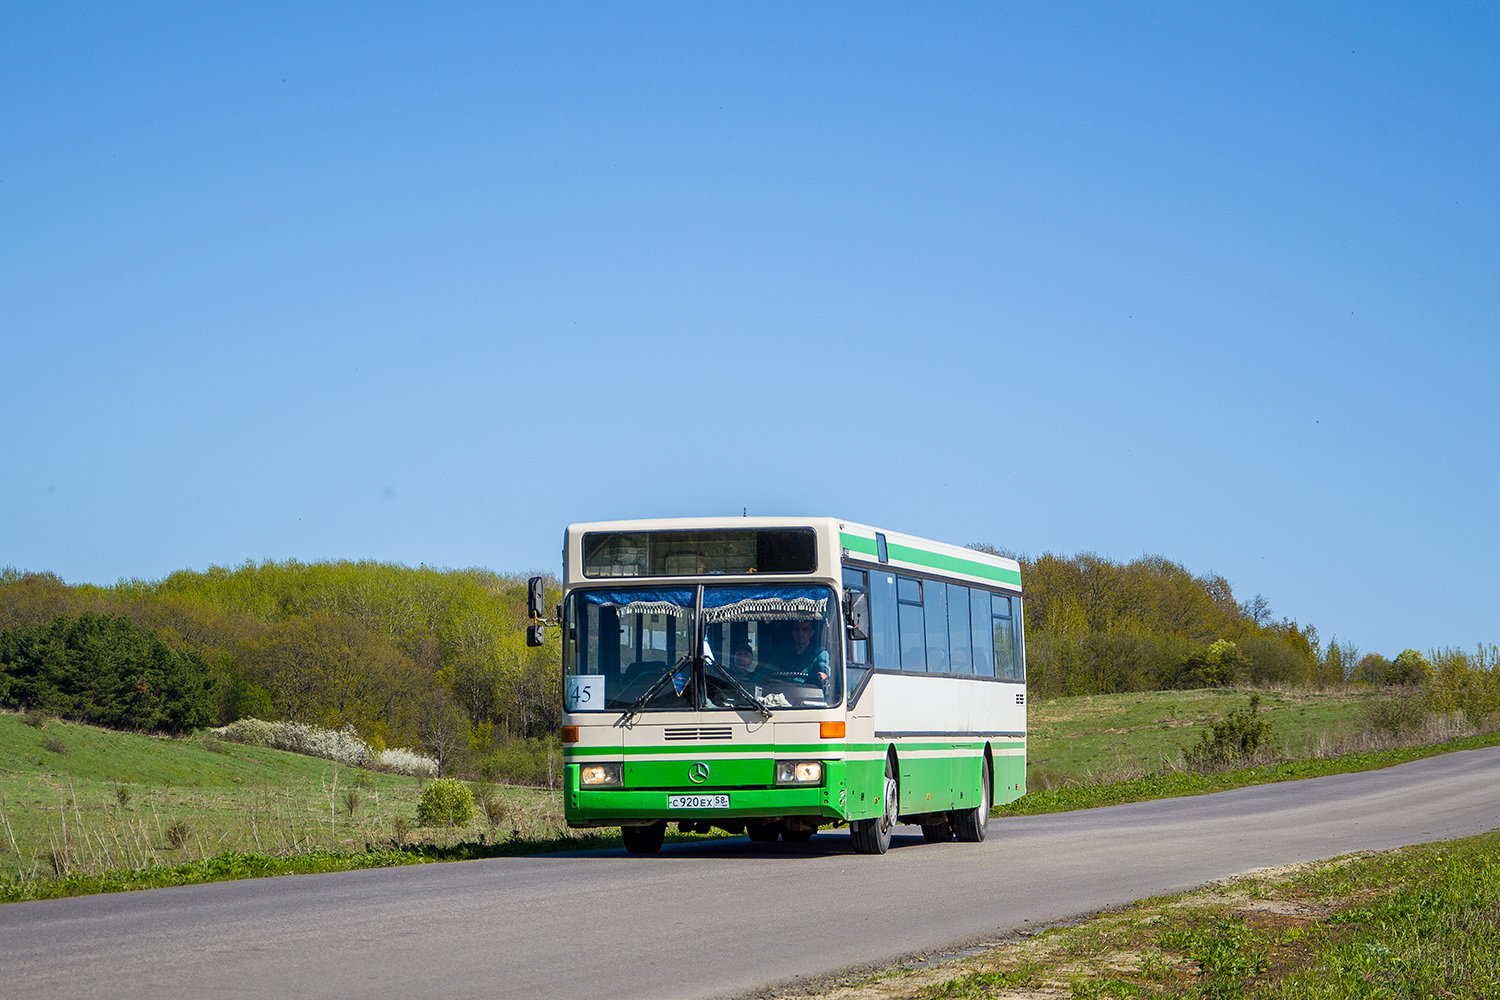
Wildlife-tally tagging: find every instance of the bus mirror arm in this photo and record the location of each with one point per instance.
(857, 614)
(536, 631)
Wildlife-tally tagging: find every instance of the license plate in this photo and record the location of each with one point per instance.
(697, 802)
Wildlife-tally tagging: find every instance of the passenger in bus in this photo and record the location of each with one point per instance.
(744, 661)
(807, 659)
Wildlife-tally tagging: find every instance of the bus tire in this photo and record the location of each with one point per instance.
(937, 833)
(644, 839)
(762, 833)
(970, 824)
(873, 835)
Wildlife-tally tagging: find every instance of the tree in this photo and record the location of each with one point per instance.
(444, 731)
(106, 670)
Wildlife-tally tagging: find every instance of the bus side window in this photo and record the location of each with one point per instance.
(959, 643)
(1005, 638)
(859, 649)
(984, 633)
(1018, 670)
(935, 603)
(913, 636)
(885, 645)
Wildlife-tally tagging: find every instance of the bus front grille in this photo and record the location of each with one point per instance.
(700, 733)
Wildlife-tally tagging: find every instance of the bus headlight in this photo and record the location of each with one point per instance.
(597, 775)
(799, 772)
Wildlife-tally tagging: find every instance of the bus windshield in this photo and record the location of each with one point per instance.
(775, 646)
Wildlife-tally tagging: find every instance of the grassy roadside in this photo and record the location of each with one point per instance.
(1413, 923)
(1178, 783)
(310, 860)
(1093, 739)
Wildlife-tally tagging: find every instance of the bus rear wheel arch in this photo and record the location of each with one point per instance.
(873, 835)
(970, 825)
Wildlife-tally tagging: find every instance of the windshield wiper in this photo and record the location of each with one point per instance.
(640, 703)
(759, 705)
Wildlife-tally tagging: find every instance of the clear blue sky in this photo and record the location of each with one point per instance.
(424, 283)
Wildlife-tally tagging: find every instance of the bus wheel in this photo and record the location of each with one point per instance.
(644, 839)
(873, 836)
(762, 833)
(937, 833)
(971, 824)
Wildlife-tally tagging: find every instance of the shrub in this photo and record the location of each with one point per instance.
(178, 834)
(36, 719)
(408, 762)
(446, 802)
(1233, 739)
(54, 743)
(122, 796)
(1271, 661)
(1373, 669)
(295, 737)
(1410, 667)
(524, 762)
(400, 829)
(1395, 716)
(351, 800)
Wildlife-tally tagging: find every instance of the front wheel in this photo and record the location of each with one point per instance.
(644, 839)
(873, 836)
(970, 824)
(762, 833)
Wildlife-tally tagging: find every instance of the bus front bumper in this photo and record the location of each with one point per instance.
(607, 806)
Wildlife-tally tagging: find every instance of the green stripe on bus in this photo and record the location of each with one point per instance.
(935, 560)
(769, 749)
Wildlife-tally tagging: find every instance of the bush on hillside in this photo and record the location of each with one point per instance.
(446, 802)
(1232, 740)
(1465, 682)
(1410, 667)
(535, 762)
(345, 747)
(108, 671)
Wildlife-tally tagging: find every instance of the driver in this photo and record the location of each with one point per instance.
(806, 659)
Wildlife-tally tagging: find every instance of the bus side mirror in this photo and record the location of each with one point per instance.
(534, 600)
(536, 635)
(857, 614)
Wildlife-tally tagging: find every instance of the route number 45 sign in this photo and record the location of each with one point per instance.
(585, 692)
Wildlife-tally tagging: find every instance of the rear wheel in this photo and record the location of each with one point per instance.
(644, 839)
(970, 824)
(873, 836)
(937, 833)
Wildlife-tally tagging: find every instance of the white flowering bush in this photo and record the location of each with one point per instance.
(408, 762)
(345, 747)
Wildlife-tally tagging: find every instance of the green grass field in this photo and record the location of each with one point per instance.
(117, 800)
(1091, 739)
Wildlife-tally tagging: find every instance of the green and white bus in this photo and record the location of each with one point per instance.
(776, 675)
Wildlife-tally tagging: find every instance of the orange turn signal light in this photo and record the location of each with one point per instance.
(570, 734)
(831, 730)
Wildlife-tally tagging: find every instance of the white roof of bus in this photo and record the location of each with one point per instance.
(857, 541)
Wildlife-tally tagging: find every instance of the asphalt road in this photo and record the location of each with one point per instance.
(705, 920)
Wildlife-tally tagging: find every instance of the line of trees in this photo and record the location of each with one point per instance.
(386, 649)
(438, 658)
(1096, 626)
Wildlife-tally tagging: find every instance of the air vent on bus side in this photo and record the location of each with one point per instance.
(1020, 699)
(700, 733)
